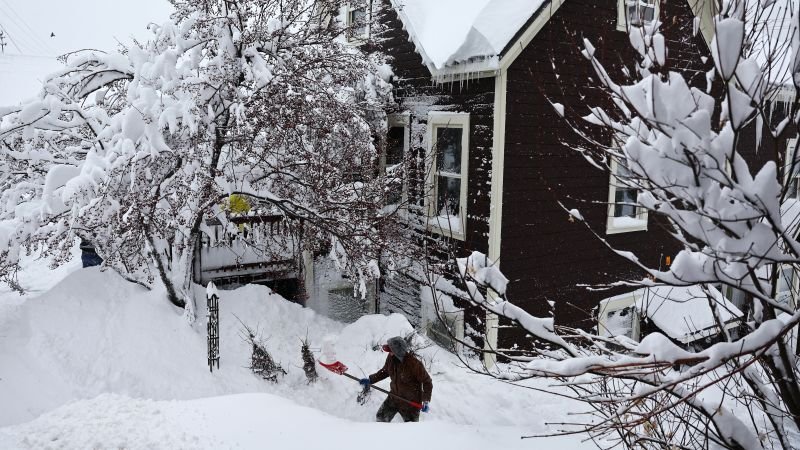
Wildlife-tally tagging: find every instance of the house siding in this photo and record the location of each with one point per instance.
(547, 257)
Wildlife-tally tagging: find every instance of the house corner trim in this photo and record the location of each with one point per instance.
(496, 199)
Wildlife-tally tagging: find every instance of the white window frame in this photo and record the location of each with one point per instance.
(396, 121)
(641, 213)
(614, 304)
(622, 12)
(347, 10)
(436, 120)
(791, 148)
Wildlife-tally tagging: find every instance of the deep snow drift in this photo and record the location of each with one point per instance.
(110, 364)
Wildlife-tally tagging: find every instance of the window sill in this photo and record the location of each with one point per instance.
(435, 226)
(357, 40)
(630, 225)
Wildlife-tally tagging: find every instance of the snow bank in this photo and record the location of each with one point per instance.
(95, 334)
(240, 421)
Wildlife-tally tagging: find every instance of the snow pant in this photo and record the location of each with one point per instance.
(389, 409)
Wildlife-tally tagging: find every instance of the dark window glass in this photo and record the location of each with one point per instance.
(648, 13)
(625, 202)
(785, 286)
(448, 149)
(624, 196)
(448, 192)
(640, 12)
(394, 146)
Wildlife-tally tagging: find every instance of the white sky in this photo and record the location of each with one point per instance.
(30, 50)
(76, 23)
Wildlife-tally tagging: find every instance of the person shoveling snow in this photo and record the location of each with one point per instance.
(410, 387)
(409, 380)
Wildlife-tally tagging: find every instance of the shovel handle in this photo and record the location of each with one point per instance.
(414, 404)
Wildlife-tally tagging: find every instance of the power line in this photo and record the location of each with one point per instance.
(23, 37)
(11, 38)
(32, 33)
(21, 44)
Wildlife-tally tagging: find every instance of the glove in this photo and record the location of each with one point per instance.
(425, 408)
(364, 382)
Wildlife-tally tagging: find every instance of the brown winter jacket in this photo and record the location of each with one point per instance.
(409, 379)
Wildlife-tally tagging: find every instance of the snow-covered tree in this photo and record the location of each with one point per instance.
(736, 220)
(133, 150)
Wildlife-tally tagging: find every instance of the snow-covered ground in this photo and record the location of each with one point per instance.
(97, 362)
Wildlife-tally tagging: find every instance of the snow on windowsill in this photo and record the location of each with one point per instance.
(449, 226)
(625, 225)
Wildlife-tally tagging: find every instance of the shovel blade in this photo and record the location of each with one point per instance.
(335, 367)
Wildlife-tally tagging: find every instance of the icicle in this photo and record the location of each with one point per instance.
(759, 130)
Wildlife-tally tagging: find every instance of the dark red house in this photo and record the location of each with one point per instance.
(475, 85)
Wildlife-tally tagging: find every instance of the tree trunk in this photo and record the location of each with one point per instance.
(172, 295)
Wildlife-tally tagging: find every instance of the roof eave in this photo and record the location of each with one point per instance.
(527, 33)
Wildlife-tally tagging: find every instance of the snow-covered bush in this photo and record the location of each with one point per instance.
(133, 150)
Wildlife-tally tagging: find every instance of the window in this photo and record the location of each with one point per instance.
(636, 13)
(393, 159)
(792, 171)
(448, 141)
(736, 296)
(356, 21)
(445, 326)
(787, 287)
(623, 213)
(617, 316)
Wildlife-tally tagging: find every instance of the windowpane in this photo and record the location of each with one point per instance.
(620, 322)
(394, 145)
(737, 296)
(633, 14)
(394, 194)
(648, 13)
(794, 187)
(448, 149)
(448, 193)
(640, 12)
(793, 164)
(358, 21)
(625, 202)
(785, 287)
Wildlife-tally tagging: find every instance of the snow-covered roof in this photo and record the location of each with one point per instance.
(775, 38)
(465, 35)
(683, 313)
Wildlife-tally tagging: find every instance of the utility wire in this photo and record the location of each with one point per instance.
(25, 40)
(10, 38)
(30, 31)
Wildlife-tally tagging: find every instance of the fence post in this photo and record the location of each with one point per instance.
(212, 303)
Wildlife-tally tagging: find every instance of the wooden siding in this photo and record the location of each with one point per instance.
(547, 257)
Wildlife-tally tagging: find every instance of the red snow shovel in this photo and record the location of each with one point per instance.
(340, 369)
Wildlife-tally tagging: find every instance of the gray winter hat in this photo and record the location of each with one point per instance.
(398, 346)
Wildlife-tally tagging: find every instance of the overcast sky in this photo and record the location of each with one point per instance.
(76, 24)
